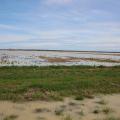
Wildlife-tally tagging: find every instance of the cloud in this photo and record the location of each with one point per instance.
(43, 45)
(8, 27)
(58, 1)
(13, 38)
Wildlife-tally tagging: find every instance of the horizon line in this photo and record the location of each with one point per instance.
(13, 49)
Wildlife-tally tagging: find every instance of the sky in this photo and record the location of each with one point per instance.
(60, 24)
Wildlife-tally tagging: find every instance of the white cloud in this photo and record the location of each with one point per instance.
(8, 27)
(13, 38)
(58, 1)
(94, 35)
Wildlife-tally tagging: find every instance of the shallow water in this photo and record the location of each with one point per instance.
(32, 58)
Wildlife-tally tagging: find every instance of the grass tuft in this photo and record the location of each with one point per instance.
(107, 110)
(67, 118)
(59, 111)
(11, 117)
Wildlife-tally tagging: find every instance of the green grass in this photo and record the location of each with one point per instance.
(33, 83)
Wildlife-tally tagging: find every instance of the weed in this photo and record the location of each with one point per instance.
(96, 111)
(79, 98)
(107, 110)
(11, 117)
(40, 110)
(68, 117)
(59, 111)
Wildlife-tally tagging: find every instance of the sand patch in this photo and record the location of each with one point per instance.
(87, 109)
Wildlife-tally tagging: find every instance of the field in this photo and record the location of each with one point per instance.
(33, 83)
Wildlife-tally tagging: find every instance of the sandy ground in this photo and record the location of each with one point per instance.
(97, 108)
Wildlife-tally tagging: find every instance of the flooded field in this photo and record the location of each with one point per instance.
(46, 58)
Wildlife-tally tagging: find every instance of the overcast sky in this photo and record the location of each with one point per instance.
(60, 24)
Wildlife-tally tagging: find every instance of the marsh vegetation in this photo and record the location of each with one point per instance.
(55, 82)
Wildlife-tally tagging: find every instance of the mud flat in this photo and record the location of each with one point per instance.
(98, 108)
(46, 58)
